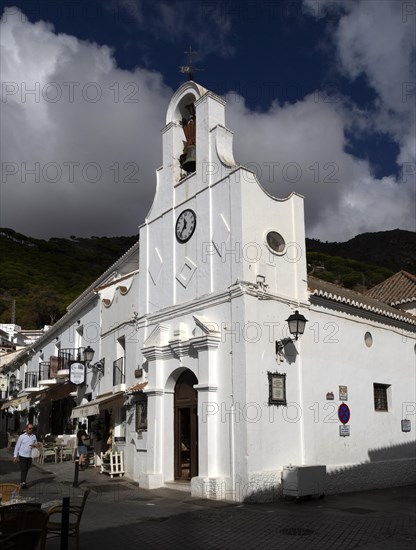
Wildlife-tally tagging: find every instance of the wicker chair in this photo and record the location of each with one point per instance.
(28, 539)
(54, 522)
(22, 516)
(6, 490)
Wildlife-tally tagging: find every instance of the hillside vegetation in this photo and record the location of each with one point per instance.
(43, 277)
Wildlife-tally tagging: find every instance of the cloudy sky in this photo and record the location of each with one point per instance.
(322, 90)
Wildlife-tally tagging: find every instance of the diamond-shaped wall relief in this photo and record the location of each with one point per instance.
(221, 235)
(155, 265)
(186, 272)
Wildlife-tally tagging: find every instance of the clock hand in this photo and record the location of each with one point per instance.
(184, 227)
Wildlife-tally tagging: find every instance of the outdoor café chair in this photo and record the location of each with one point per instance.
(65, 452)
(45, 453)
(11, 441)
(28, 539)
(6, 490)
(22, 516)
(54, 521)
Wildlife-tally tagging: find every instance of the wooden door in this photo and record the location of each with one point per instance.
(186, 427)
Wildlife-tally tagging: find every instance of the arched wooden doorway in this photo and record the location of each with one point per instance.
(186, 427)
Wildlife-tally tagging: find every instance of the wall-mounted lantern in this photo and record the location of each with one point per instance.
(297, 323)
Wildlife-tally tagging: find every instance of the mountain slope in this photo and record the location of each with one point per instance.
(43, 277)
(394, 250)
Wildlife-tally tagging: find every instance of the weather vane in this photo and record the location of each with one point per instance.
(189, 69)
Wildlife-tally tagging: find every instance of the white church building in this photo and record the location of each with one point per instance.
(195, 370)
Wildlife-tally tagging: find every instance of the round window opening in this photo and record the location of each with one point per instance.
(368, 339)
(275, 241)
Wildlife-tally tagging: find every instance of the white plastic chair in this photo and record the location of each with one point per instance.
(45, 452)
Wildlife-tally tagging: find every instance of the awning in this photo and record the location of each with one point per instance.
(54, 393)
(60, 391)
(16, 402)
(93, 407)
(137, 387)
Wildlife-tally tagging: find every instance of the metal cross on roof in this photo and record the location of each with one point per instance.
(190, 69)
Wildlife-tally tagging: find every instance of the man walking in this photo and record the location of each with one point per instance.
(23, 453)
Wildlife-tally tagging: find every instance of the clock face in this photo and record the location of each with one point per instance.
(185, 225)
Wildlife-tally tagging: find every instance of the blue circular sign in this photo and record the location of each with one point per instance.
(344, 413)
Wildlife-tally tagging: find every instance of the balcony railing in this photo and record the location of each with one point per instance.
(119, 376)
(44, 370)
(31, 379)
(69, 354)
(66, 355)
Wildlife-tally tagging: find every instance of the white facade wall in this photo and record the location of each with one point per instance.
(227, 275)
(215, 305)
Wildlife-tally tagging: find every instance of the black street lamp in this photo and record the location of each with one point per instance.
(88, 354)
(297, 323)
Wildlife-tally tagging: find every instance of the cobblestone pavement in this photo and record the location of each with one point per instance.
(120, 515)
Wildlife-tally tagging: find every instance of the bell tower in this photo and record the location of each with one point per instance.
(197, 149)
(211, 224)
(216, 253)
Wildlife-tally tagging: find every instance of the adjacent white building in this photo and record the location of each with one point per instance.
(187, 373)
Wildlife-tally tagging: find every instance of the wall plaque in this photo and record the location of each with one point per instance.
(343, 393)
(406, 425)
(277, 388)
(344, 431)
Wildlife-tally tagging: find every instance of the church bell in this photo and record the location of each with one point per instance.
(189, 162)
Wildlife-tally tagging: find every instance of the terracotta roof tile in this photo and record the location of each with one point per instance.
(397, 289)
(340, 294)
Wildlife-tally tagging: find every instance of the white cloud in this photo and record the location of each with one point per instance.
(119, 135)
(307, 139)
(90, 126)
(377, 39)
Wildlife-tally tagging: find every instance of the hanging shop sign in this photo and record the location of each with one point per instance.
(77, 373)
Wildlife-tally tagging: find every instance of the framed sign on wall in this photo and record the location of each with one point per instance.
(277, 388)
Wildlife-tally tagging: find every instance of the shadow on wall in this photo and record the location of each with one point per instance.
(390, 466)
(394, 452)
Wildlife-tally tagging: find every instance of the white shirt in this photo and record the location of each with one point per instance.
(23, 445)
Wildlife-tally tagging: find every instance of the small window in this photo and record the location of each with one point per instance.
(275, 242)
(380, 397)
(141, 414)
(368, 339)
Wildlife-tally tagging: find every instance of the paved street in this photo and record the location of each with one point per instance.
(119, 514)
